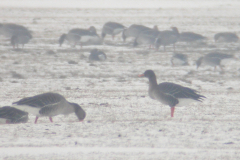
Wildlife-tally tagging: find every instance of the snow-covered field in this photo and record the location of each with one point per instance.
(122, 121)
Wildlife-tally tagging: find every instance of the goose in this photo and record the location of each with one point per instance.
(149, 37)
(49, 104)
(18, 33)
(112, 28)
(133, 31)
(20, 38)
(190, 37)
(213, 59)
(179, 59)
(78, 35)
(10, 29)
(11, 115)
(170, 93)
(226, 37)
(168, 37)
(97, 55)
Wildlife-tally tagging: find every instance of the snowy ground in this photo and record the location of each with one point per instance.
(122, 121)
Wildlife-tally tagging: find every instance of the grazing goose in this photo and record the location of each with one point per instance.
(112, 28)
(149, 37)
(49, 104)
(97, 55)
(12, 115)
(20, 38)
(213, 59)
(133, 31)
(190, 37)
(179, 59)
(169, 37)
(225, 37)
(81, 36)
(169, 93)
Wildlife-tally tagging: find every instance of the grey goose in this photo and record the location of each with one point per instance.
(148, 37)
(213, 59)
(170, 93)
(97, 55)
(133, 31)
(11, 115)
(82, 36)
(168, 37)
(179, 59)
(226, 37)
(50, 105)
(112, 28)
(190, 37)
(18, 33)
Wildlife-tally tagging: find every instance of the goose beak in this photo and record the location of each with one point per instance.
(141, 75)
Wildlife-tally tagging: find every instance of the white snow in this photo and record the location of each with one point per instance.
(122, 121)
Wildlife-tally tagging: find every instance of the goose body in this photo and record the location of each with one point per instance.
(82, 36)
(190, 37)
(97, 55)
(10, 29)
(112, 28)
(212, 59)
(49, 104)
(179, 59)
(12, 115)
(169, 93)
(148, 37)
(20, 39)
(168, 37)
(133, 31)
(226, 37)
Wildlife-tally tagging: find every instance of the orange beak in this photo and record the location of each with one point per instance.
(141, 75)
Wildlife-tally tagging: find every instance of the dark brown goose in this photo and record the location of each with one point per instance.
(11, 115)
(169, 93)
(49, 104)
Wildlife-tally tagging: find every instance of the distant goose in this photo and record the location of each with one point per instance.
(81, 36)
(169, 93)
(190, 37)
(148, 37)
(169, 37)
(133, 31)
(12, 115)
(97, 55)
(112, 28)
(18, 33)
(213, 59)
(226, 37)
(9, 29)
(20, 38)
(179, 59)
(49, 104)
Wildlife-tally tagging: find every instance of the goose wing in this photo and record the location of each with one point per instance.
(179, 91)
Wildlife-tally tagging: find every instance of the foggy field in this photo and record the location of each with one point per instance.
(122, 121)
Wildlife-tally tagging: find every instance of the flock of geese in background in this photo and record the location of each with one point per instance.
(53, 104)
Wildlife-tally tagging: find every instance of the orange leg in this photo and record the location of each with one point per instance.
(172, 111)
(36, 120)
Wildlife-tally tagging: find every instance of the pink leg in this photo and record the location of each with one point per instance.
(7, 122)
(172, 111)
(36, 120)
(50, 118)
(113, 37)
